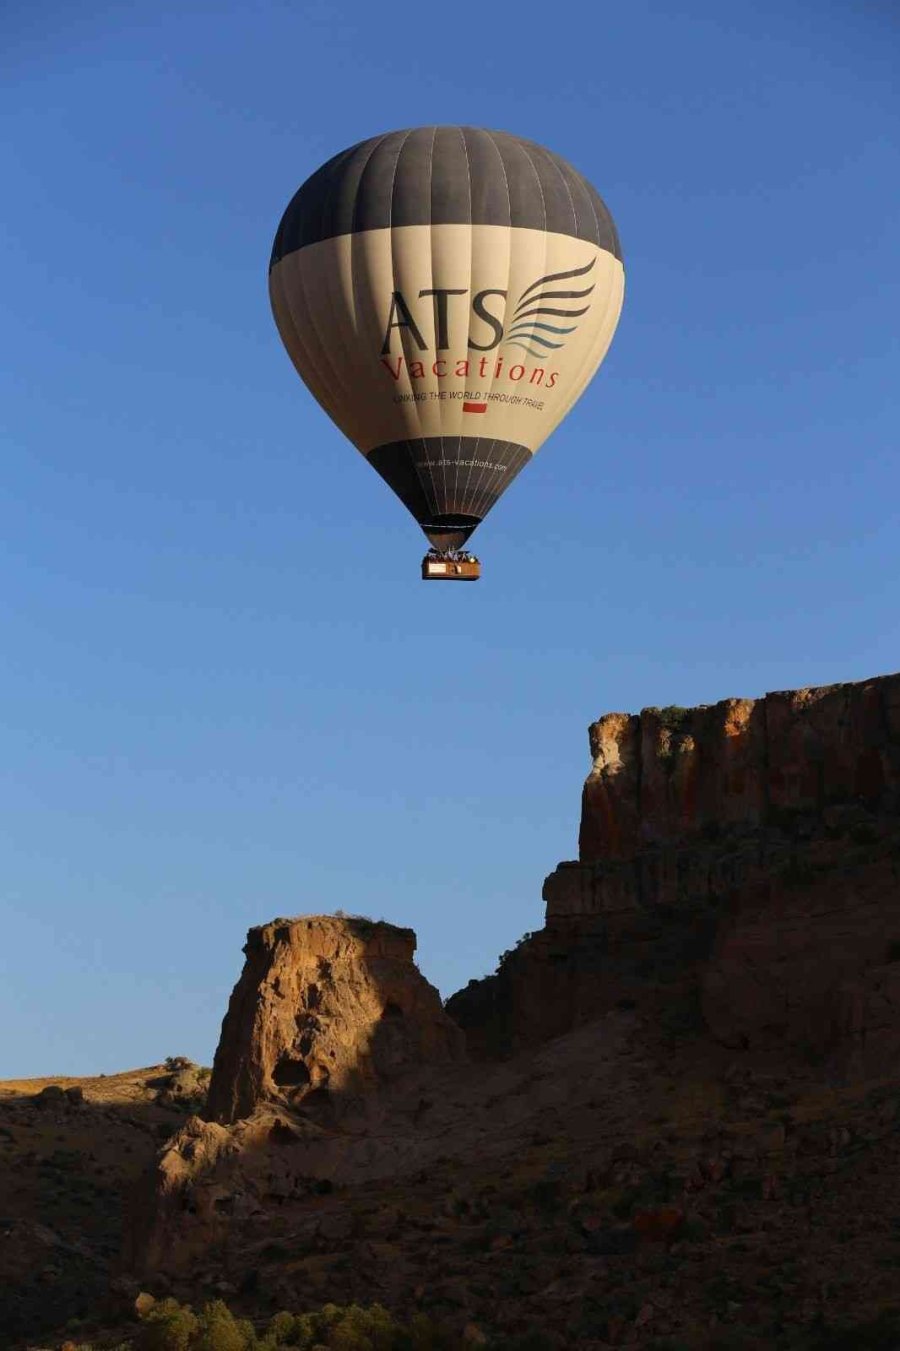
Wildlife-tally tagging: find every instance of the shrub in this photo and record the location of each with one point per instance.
(355, 1328)
(281, 1328)
(218, 1330)
(168, 1326)
(511, 952)
(674, 717)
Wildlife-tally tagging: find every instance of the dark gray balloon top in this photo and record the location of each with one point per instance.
(444, 176)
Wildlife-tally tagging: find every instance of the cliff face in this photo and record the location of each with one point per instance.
(739, 869)
(668, 775)
(322, 1005)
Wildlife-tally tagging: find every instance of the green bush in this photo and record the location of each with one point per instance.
(673, 717)
(218, 1330)
(168, 1326)
(281, 1328)
(349, 1329)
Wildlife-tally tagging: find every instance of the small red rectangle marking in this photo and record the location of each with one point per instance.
(474, 407)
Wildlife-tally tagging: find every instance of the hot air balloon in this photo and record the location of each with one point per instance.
(446, 293)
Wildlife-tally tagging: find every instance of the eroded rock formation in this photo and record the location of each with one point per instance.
(738, 862)
(328, 1014)
(325, 1004)
(693, 1059)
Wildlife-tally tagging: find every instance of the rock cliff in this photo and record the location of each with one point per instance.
(325, 1005)
(739, 868)
(668, 775)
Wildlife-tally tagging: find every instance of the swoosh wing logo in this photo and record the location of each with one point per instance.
(539, 304)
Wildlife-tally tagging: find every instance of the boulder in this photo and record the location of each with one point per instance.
(53, 1095)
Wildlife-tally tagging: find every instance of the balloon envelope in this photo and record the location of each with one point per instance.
(446, 293)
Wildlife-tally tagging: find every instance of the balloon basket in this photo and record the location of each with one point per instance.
(446, 568)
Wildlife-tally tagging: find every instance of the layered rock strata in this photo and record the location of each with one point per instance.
(668, 775)
(739, 868)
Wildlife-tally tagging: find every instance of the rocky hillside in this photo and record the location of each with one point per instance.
(671, 1120)
(71, 1149)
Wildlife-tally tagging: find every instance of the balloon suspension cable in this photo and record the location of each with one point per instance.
(452, 555)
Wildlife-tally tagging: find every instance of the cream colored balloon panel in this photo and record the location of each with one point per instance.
(296, 333)
(385, 398)
(452, 264)
(337, 315)
(411, 272)
(335, 307)
(331, 287)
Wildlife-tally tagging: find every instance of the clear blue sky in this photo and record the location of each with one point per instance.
(225, 694)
